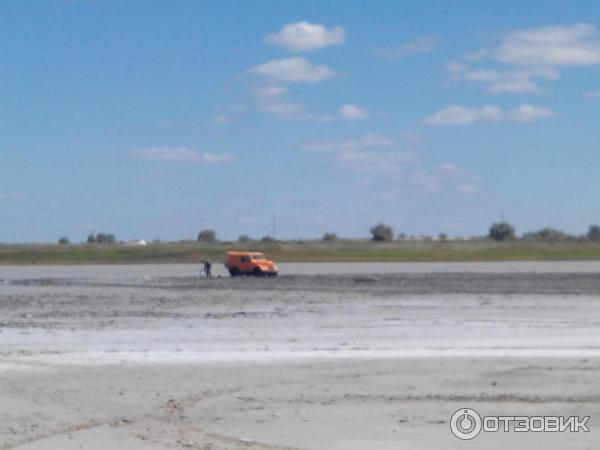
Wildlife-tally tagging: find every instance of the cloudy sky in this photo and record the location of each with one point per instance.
(156, 119)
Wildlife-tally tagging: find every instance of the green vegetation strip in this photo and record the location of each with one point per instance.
(339, 251)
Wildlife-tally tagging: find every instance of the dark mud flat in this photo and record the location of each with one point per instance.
(387, 284)
(416, 284)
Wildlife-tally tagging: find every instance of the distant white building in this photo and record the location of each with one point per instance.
(137, 243)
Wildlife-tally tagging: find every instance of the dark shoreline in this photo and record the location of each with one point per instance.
(372, 284)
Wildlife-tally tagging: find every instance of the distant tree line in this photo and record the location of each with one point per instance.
(207, 236)
(101, 238)
(382, 232)
(504, 231)
(329, 237)
(499, 232)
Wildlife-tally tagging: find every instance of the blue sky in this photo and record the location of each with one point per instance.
(156, 119)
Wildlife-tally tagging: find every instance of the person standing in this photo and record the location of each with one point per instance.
(208, 268)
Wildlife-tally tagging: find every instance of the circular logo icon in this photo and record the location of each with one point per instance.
(465, 423)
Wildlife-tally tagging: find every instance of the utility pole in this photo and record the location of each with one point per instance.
(274, 224)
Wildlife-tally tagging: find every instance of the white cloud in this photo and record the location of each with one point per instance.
(528, 113)
(460, 115)
(455, 67)
(450, 168)
(370, 161)
(511, 80)
(180, 154)
(274, 100)
(573, 45)
(351, 112)
(381, 163)
(304, 36)
(446, 178)
(11, 195)
(515, 86)
(467, 188)
(403, 171)
(369, 141)
(535, 54)
(217, 158)
(421, 45)
(594, 94)
(476, 55)
(270, 91)
(222, 119)
(284, 109)
(292, 70)
(371, 153)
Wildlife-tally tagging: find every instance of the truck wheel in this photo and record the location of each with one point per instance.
(234, 272)
(257, 272)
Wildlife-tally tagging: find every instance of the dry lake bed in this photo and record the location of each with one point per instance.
(326, 356)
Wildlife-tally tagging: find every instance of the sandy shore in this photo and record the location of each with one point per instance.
(300, 362)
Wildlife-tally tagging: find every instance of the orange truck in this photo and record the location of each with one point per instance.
(250, 263)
